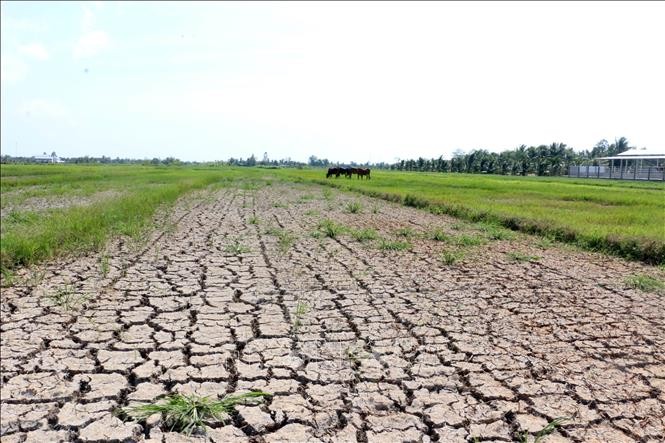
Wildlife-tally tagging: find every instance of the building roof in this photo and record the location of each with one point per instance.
(638, 154)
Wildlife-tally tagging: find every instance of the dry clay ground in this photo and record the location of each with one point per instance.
(355, 343)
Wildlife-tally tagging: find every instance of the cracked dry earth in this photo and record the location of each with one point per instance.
(355, 343)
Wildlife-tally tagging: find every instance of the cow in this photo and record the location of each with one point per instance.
(363, 173)
(333, 171)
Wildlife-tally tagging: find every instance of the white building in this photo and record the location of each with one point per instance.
(44, 158)
(633, 164)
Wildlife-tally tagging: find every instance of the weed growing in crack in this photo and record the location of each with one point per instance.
(547, 430)
(451, 257)
(438, 235)
(327, 194)
(299, 313)
(104, 266)
(389, 245)
(66, 298)
(375, 210)
(645, 283)
(495, 232)
(354, 207)
(285, 240)
(188, 413)
(236, 247)
(363, 235)
(354, 354)
(469, 240)
(312, 213)
(316, 234)
(545, 243)
(253, 220)
(330, 228)
(523, 258)
(405, 232)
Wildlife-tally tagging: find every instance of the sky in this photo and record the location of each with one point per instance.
(346, 81)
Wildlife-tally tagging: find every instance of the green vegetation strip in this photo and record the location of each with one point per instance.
(29, 235)
(621, 218)
(616, 217)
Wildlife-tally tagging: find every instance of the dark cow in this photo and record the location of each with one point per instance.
(333, 171)
(363, 173)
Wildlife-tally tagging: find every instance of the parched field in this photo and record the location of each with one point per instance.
(365, 320)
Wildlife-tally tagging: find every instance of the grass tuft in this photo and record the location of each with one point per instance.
(495, 232)
(523, 258)
(451, 257)
(645, 283)
(363, 235)
(331, 229)
(469, 240)
(354, 207)
(104, 266)
(405, 232)
(300, 311)
(545, 243)
(188, 413)
(438, 235)
(66, 298)
(236, 247)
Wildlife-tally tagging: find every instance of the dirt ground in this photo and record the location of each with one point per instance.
(354, 342)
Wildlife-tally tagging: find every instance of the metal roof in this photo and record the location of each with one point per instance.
(639, 152)
(635, 157)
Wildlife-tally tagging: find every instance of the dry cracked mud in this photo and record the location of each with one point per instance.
(355, 343)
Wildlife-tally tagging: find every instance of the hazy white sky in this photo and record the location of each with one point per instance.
(344, 81)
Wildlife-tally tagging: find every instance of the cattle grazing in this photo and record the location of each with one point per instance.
(333, 171)
(362, 173)
(347, 172)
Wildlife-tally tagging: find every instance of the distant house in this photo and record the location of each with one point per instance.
(44, 158)
(633, 164)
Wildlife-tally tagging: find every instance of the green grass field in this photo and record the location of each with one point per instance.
(621, 218)
(133, 193)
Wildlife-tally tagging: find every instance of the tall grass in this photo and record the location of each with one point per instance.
(30, 237)
(616, 217)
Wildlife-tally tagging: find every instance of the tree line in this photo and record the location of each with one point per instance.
(553, 159)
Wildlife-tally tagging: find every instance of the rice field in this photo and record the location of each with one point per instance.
(49, 210)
